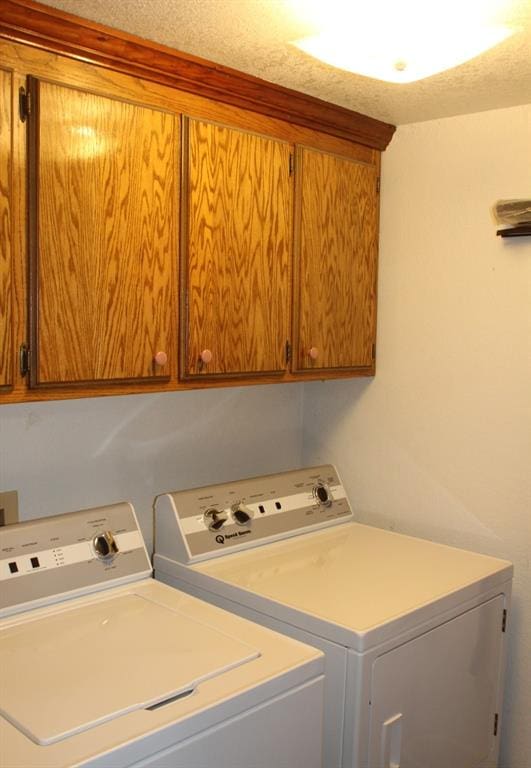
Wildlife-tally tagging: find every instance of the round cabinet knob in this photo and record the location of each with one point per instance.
(241, 514)
(322, 494)
(161, 358)
(206, 356)
(214, 519)
(313, 352)
(105, 545)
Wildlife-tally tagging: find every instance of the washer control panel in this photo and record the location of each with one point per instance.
(206, 522)
(77, 552)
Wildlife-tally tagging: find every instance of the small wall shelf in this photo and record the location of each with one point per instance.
(520, 231)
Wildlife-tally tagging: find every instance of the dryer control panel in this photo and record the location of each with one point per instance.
(201, 523)
(52, 558)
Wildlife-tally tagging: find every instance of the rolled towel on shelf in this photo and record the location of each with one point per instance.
(513, 212)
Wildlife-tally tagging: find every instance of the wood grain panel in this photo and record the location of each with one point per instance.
(104, 194)
(237, 251)
(337, 261)
(53, 30)
(50, 66)
(6, 236)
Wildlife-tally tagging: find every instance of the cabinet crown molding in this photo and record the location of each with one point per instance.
(41, 26)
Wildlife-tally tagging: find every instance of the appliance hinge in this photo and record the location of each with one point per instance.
(288, 351)
(291, 163)
(504, 620)
(24, 359)
(374, 351)
(24, 104)
(378, 185)
(495, 724)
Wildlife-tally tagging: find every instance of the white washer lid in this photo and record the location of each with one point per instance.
(74, 669)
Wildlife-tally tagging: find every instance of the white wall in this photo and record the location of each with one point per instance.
(74, 454)
(439, 443)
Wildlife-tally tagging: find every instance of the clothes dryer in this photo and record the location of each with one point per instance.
(414, 632)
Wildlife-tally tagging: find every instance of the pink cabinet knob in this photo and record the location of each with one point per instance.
(161, 358)
(206, 356)
(313, 352)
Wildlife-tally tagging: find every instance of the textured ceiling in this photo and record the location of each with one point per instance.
(254, 36)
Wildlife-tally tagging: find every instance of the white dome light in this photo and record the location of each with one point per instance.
(401, 41)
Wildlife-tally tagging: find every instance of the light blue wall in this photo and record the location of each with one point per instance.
(63, 456)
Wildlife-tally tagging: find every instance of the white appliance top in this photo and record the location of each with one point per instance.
(352, 583)
(95, 656)
(75, 669)
(355, 576)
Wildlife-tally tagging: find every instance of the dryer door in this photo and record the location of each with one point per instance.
(433, 699)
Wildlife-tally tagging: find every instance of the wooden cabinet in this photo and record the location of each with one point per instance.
(336, 262)
(237, 257)
(6, 235)
(103, 237)
(240, 242)
(236, 252)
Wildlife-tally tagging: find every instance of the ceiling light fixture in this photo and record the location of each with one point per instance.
(401, 41)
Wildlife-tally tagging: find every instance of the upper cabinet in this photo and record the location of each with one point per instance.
(103, 212)
(236, 252)
(169, 224)
(6, 235)
(336, 262)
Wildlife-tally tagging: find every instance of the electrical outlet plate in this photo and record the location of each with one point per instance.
(8, 507)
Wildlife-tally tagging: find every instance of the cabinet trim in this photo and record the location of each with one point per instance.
(7, 244)
(46, 28)
(32, 94)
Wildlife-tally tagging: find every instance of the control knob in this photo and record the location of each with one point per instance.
(105, 545)
(214, 519)
(241, 514)
(322, 494)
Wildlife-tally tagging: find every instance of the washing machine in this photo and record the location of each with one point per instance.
(101, 666)
(414, 632)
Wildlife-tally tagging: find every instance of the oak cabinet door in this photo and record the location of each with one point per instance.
(336, 262)
(6, 262)
(236, 252)
(103, 239)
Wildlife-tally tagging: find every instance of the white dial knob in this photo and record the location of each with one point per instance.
(241, 514)
(322, 494)
(105, 545)
(214, 519)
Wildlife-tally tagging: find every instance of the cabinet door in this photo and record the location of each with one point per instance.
(103, 247)
(237, 196)
(336, 262)
(6, 329)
